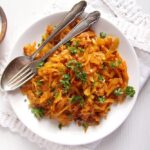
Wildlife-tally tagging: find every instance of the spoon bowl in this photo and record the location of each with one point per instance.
(11, 69)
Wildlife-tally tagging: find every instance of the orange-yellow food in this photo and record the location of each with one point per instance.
(78, 81)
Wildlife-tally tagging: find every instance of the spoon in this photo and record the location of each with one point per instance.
(4, 24)
(19, 62)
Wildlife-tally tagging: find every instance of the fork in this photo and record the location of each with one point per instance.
(30, 70)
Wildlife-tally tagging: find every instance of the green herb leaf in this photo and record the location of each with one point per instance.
(74, 65)
(68, 43)
(60, 126)
(112, 64)
(76, 44)
(39, 82)
(56, 94)
(73, 50)
(70, 63)
(101, 78)
(81, 75)
(65, 82)
(119, 62)
(102, 35)
(82, 102)
(85, 125)
(94, 83)
(40, 64)
(77, 68)
(130, 91)
(118, 92)
(39, 44)
(38, 93)
(81, 50)
(77, 98)
(66, 76)
(38, 112)
(101, 99)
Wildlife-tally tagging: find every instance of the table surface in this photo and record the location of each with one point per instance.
(139, 136)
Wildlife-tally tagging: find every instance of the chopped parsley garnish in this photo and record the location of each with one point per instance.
(68, 44)
(119, 62)
(40, 64)
(118, 91)
(76, 43)
(81, 50)
(65, 82)
(112, 64)
(130, 91)
(39, 82)
(85, 125)
(56, 94)
(78, 70)
(38, 112)
(101, 99)
(101, 78)
(76, 99)
(39, 44)
(60, 126)
(66, 76)
(73, 50)
(94, 83)
(72, 63)
(81, 75)
(102, 35)
(38, 93)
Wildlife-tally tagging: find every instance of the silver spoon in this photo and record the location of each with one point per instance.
(3, 26)
(19, 62)
(30, 70)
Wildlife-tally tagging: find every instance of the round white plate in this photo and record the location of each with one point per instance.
(74, 135)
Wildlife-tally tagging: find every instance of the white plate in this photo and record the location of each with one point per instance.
(74, 135)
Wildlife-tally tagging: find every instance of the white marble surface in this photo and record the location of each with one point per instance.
(130, 136)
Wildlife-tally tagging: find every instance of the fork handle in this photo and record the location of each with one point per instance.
(82, 26)
(75, 12)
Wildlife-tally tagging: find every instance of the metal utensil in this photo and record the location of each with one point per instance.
(30, 70)
(16, 64)
(75, 12)
(4, 24)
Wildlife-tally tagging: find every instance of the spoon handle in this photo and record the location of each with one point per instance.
(82, 26)
(75, 12)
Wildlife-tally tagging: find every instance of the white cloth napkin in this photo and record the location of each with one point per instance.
(126, 15)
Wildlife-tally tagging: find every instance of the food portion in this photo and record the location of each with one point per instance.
(80, 81)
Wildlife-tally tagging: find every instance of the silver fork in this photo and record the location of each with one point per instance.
(30, 70)
(19, 62)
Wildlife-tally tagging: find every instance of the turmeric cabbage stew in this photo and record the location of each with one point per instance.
(80, 81)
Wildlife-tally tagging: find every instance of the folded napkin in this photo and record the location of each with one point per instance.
(126, 15)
